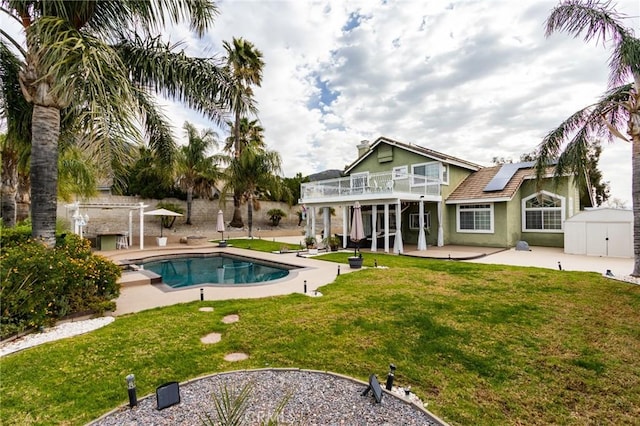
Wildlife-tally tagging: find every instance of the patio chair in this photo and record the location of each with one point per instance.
(123, 241)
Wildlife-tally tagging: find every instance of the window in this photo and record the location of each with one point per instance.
(475, 218)
(543, 212)
(414, 220)
(359, 182)
(445, 174)
(434, 172)
(400, 172)
(425, 174)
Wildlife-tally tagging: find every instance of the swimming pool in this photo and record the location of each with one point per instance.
(214, 269)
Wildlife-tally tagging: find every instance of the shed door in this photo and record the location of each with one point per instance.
(597, 239)
(609, 239)
(620, 242)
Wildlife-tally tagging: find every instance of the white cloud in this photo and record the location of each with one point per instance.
(471, 78)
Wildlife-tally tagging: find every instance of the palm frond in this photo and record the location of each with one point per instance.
(598, 20)
(201, 83)
(579, 131)
(13, 106)
(157, 130)
(76, 175)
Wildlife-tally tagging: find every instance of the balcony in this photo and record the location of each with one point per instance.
(374, 186)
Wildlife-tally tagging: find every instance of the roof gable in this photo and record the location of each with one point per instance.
(422, 151)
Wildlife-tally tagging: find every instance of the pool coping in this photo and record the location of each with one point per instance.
(313, 273)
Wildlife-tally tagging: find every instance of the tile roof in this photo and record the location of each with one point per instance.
(472, 188)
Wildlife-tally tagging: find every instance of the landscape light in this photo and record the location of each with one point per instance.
(131, 388)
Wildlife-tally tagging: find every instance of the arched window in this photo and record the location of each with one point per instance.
(543, 212)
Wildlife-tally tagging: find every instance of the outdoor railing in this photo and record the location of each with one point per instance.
(374, 183)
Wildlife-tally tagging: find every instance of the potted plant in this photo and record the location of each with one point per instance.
(310, 242)
(355, 261)
(332, 242)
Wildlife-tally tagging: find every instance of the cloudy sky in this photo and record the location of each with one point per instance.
(475, 79)
(472, 78)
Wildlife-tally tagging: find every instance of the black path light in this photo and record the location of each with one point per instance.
(131, 388)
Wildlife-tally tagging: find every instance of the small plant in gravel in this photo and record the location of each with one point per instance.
(232, 408)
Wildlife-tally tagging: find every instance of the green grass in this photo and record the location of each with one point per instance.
(262, 245)
(482, 344)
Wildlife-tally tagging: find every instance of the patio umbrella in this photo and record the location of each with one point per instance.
(220, 223)
(161, 213)
(357, 230)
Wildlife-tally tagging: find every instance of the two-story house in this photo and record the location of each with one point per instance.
(413, 195)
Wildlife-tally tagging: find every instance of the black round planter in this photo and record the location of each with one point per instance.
(355, 262)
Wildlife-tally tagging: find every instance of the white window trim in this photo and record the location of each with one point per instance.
(362, 175)
(475, 231)
(416, 217)
(429, 163)
(444, 167)
(561, 208)
(400, 172)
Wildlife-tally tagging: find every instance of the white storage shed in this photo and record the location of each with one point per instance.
(600, 232)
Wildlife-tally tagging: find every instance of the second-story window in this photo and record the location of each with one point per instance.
(425, 174)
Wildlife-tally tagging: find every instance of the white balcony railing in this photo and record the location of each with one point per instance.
(373, 184)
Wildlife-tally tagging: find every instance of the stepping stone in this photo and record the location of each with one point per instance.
(231, 319)
(211, 338)
(206, 309)
(236, 356)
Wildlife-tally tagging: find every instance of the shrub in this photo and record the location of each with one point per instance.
(275, 215)
(40, 285)
(19, 233)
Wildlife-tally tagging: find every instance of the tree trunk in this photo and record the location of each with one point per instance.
(9, 187)
(189, 201)
(236, 221)
(635, 191)
(44, 172)
(23, 199)
(250, 216)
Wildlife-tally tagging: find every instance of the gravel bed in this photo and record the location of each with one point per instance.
(314, 398)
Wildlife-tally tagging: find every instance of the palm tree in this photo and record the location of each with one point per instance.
(244, 63)
(249, 133)
(16, 144)
(251, 174)
(85, 56)
(196, 172)
(617, 108)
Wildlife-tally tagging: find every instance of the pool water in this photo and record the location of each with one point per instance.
(187, 271)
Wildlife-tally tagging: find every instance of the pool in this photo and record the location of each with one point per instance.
(215, 269)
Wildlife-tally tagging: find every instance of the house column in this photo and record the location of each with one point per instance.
(440, 230)
(397, 246)
(313, 222)
(345, 223)
(386, 228)
(326, 222)
(142, 226)
(374, 236)
(422, 240)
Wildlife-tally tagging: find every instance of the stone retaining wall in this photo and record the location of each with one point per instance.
(203, 217)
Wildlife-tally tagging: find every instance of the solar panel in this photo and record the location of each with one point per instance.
(504, 175)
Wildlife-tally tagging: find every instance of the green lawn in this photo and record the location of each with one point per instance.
(482, 344)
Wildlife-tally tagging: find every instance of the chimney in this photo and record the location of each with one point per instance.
(363, 147)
